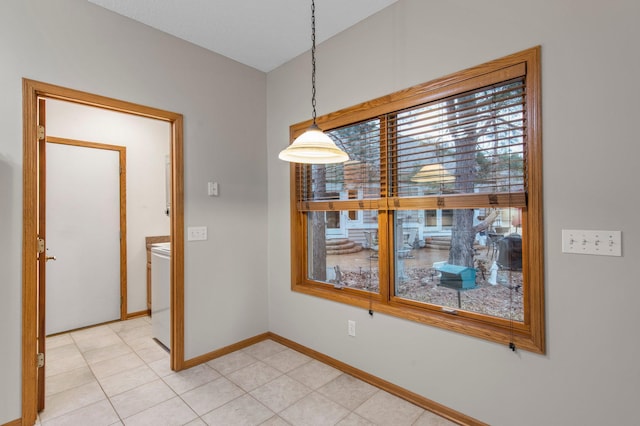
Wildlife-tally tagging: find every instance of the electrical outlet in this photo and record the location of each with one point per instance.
(351, 328)
(599, 243)
(196, 233)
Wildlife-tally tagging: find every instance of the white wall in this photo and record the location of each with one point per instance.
(76, 44)
(590, 374)
(147, 142)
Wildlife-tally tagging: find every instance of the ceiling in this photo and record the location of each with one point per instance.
(263, 34)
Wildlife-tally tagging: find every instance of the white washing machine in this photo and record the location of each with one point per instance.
(161, 293)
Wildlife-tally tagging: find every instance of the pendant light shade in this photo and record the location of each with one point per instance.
(432, 173)
(313, 146)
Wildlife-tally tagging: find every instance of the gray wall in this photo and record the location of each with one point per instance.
(76, 44)
(590, 374)
(590, 67)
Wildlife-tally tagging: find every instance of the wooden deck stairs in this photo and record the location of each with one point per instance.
(342, 246)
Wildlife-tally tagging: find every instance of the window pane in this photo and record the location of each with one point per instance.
(358, 178)
(362, 142)
(447, 218)
(348, 258)
(472, 142)
(333, 220)
(464, 259)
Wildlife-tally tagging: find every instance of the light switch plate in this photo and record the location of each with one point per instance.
(196, 233)
(351, 328)
(599, 243)
(212, 189)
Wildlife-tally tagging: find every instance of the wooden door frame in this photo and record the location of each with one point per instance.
(31, 91)
(122, 185)
(42, 260)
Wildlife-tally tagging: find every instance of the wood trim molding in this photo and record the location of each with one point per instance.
(16, 422)
(29, 254)
(31, 91)
(138, 314)
(393, 389)
(226, 350)
(177, 244)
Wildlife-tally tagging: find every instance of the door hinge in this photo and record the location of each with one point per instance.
(40, 245)
(40, 133)
(40, 360)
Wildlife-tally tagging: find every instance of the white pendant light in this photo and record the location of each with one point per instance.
(313, 146)
(432, 173)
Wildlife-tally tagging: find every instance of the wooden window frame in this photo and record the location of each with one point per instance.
(528, 334)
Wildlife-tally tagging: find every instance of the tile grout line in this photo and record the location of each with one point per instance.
(225, 376)
(258, 355)
(89, 366)
(147, 365)
(94, 374)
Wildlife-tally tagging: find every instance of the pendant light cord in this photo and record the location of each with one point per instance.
(313, 59)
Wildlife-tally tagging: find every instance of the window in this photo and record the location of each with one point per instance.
(446, 178)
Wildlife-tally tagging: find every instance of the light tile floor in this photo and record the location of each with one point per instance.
(116, 374)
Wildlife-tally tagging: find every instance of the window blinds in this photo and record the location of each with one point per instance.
(471, 144)
(465, 150)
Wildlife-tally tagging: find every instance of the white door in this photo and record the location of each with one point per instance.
(83, 233)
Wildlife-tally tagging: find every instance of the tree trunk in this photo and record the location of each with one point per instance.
(462, 238)
(463, 234)
(318, 252)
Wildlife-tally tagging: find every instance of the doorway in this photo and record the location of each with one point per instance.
(33, 91)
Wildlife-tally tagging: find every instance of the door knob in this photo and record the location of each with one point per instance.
(48, 258)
